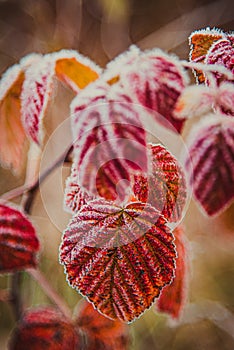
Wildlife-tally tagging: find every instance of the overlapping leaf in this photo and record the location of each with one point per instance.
(12, 148)
(118, 257)
(172, 297)
(101, 332)
(44, 328)
(210, 165)
(200, 42)
(18, 241)
(165, 188)
(109, 141)
(155, 80)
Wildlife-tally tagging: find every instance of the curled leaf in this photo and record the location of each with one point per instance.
(200, 42)
(118, 257)
(165, 188)
(210, 163)
(37, 88)
(13, 141)
(75, 70)
(18, 241)
(101, 332)
(109, 142)
(44, 328)
(173, 297)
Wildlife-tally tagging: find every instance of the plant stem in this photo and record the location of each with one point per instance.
(51, 293)
(14, 296)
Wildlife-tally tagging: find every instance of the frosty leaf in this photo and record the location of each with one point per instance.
(74, 196)
(18, 241)
(35, 96)
(156, 80)
(75, 70)
(44, 328)
(200, 42)
(194, 101)
(101, 332)
(165, 188)
(109, 141)
(12, 135)
(222, 53)
(118, 257)
(210, 166)
(226, 98)
(172, 297)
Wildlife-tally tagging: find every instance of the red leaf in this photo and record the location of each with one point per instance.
(156, 80)
(210, 166)
(74, 196)
(101, 332)
(222, 53)
(118, 257)
(18, 241)
(35, 96)
(109, 141)
(75, 70)
(44, 328)
(172, 297)
(13, 142)
(200, 42)
(165, 189)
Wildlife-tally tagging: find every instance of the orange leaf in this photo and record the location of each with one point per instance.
(75, 70)
(173, 297)
(200, 42)
(101, 332)
(13, 139)
(44, 328)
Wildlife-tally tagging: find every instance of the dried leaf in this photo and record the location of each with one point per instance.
(173, 297)
(200, 42)
(101, 332)
(75, 70)
(109, 141)
(165, 188)
(118, 257)
(36, 92)
(18, 240)
(44, 328)
(210, 165)
(13, 141)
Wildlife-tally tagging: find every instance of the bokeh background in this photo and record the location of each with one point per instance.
(101, 29)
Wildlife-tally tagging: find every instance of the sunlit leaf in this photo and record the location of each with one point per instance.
(173, 297)
(200, 42)
(18, 240)
(75, 70)
(210, 165)
(165, 188)
(101, 332)
(74, 196)
(37, 89)
(118, 257)
(109, 141)
(44, 328)
(221, 53)
(13, 142)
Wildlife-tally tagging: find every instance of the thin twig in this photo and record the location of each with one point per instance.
(51, 293)
(14, 295)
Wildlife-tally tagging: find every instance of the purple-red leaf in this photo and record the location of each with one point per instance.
(101, 332)
(165, 188)
(13, 139)
(44, 328)
(118, 257)
(211, 163)
(18, 241)
(173, 297)
(35, 96)
(109, 141)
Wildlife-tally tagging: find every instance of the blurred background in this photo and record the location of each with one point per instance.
(101, 29)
